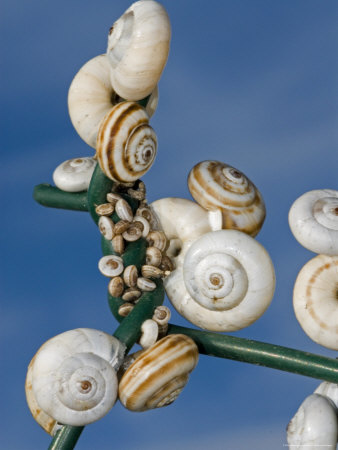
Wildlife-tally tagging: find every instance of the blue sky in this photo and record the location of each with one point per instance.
(252, 83)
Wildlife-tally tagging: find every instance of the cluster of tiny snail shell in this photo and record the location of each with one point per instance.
(313, 219)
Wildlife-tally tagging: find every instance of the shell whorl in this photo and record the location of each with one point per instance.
(225, 283)
(74, 376)
(126, 143)
(74, 175)
(91, 96)
(218, 186)
(138, 48)
(315, 300)
(159, 374)
(313, 219)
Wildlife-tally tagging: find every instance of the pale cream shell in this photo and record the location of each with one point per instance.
(218, 186)
(225, 283)
(74, 175)
(74, 375)
(91, 97)
(315, 300)
(155, 377)
(126, 143)
(138, 48)
(313, 219)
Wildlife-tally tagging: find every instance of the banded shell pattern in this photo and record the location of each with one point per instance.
(138, 48)
(126, 143)
(158, 375)
(218, 186)
(315, 300)
(73, 376)
(313, 219)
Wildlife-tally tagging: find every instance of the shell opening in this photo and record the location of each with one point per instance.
(120, 37)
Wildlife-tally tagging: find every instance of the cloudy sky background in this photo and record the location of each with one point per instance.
(252, 83)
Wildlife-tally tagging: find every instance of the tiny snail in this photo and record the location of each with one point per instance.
(314, 425)
(74, 175)
(126, 143)
(225, 282)
(219, 187)
(313, 219)
(158, 374)
(91, 97)
(315, 300)
(72, 377)
(138, 48)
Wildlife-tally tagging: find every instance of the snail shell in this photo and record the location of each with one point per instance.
(74, 175)
(315, 300)
(329, 390)
(91, 97)
(313, 219)
(314, 425)
(138, 48)
(74, 375)
(218, 186)
(126, 143)
(159, 374)
(225, 282)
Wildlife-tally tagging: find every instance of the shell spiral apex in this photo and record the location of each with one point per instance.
(73, 376)
(74, 175)
(138, 48)
(315, 300)
(225, 283)
(126, 143)
(313, 219)
(218, 186)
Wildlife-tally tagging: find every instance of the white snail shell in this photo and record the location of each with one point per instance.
(314, 425)
(74, 375)
(138, 48)
(126, 143)
(218, 186)
(159, 374)
(313, 219)
(225, 283)
(74, 175)
(329, 390)
(91, 97)
(315, 298)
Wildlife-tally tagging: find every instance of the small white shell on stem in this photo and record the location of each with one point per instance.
(225, 283)
(158, 375)
(138, 48)
(91, 97)
(315, 300)
(314, 425)
(74, 175)
(149, 329)
(74, 375)
(126, 143)
(313, 219)
(111, 265)
(218, 186)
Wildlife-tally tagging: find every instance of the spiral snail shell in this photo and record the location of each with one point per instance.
(158, 374)
(315, 298)
(313, 219)
(224, 283)
(138, 48)
(73, 376)
(91, 97)
(218, 186)
(126, 143)
(314, 425)
(74, 175)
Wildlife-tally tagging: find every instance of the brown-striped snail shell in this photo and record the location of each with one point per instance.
(138, 48)
(73, 376)
(74, 175)
(158, 375)
(219, 187)
(315, 300)
(91, 97)
(126, 143)
(225, 282)
(313, 219)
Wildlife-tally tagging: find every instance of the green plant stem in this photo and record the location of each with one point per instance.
(53, 197)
